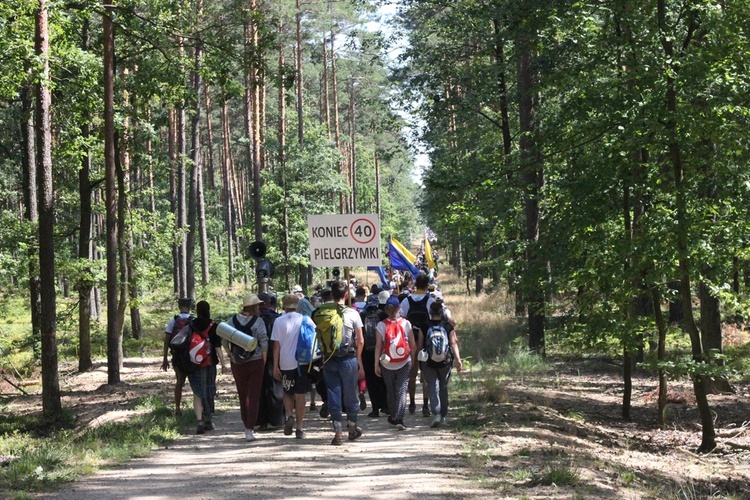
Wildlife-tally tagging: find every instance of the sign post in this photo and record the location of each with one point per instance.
(344, 240)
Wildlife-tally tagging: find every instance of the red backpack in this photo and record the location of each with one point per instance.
(200, 347)
(396, 344)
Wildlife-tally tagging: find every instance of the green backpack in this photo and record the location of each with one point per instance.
(329, 329)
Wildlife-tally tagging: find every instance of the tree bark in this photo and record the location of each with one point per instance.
(711, 336)
(211, 172)
(195, 158)
(708, 441)
(28, 134)
(113, 330)
(298, 67)
(51, 402)
(478, 274)
(532, 178)
(229, 203)
(85, 282)
(661, 327)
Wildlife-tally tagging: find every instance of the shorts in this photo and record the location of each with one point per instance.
(295, 381)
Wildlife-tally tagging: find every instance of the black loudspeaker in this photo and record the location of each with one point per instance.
(257, 250)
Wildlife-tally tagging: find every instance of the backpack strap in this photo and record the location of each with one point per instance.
(204, 333)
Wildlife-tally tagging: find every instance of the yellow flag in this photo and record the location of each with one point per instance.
(403, 250)
(428, 254)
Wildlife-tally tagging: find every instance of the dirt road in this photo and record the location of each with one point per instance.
(384, 463)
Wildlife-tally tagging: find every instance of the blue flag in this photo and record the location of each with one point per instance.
(381, 273)
(399, 261)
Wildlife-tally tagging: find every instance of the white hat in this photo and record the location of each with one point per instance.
(296, 289)
(251, 300)
(383, 296)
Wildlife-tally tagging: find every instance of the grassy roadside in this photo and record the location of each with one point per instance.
(42, 456)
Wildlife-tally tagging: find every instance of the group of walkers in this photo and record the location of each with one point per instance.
(376, 342)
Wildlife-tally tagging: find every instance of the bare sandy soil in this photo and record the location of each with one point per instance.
(565, 421)
(384, 463)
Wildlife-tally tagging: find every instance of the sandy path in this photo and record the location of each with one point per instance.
(384, 463)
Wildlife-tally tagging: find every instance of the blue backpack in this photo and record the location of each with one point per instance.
(306, 342)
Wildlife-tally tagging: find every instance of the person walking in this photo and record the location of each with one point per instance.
(416, 308)
(394, 350)
(371, 316)
(343, 364)
(441, 346)
(174, 326)
(247, 367)
(293, 377)
(271, 406)
(203, 378)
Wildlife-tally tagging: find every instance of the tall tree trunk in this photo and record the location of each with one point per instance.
(326, 94)
(173, 198)
(205, 277)
(51, 402)
(532, 181)
(711, 337)
(661, 327)
(479, 274)
(229, 203)
(182, 209)
(211, 172)
(85, 282)
(28, 134)
(257, 83)
(281, 158)
(195, 158)
(122, 242)
(353, 156)
(113, 331)
(708, 441)
(377, 184)
(298, 67)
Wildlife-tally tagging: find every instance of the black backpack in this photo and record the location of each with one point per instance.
(370, 320)
(238, 351)
(418, 315)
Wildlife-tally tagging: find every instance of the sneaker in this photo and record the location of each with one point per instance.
(400, 426)
(289, 425)
(362, 402)
(392, 421)
(354, 432)
(443, 420)
(436, 421)
(299, 434)
(249, 436)
(426, 411)
(313, 406)
(374, 414)
(209, 425)
(201, 428)
(412, 408)
(338, 440)
(324, 410)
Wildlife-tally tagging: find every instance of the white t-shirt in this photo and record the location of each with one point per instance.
(286, 331)
(170, 325)
(381, 330)
(352, 321)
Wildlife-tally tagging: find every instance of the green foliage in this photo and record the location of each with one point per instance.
(560, 476)
(687, 366)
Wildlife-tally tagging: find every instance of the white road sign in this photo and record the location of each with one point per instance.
(344, 240)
